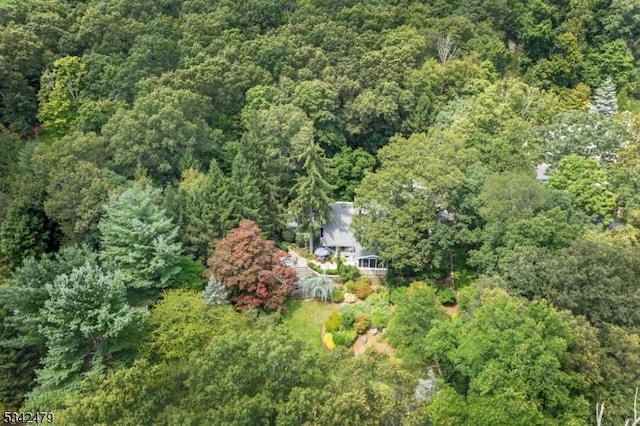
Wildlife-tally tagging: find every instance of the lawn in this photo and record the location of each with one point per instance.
(304, 318)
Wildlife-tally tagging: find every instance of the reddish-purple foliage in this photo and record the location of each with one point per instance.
(251, 269)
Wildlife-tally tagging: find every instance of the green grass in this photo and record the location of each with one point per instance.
(304, 319)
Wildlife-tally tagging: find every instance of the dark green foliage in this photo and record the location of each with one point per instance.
(25, 229)
(447, 296)
(248, 201)
(311, 192)
(288, 235)
(17, 365)
(302, 239)
(202, 206)
(591, 278)
(191, 275)
(520, 211)
(268, 109)
(348, 272)
(350, 167)
(159, 129)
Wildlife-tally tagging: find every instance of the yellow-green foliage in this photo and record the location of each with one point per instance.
(327, 339)
(183, 322)
(333, 323)
(344, 338)
(361, 323)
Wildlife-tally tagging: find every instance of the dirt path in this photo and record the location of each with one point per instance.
(377, 342)
(451, 310)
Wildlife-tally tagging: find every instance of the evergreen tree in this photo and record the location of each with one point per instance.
(86, 321)
(248, 200)
(204, 209)
(25, 229)
(17, 365)
(605, 100)
(215, 292)
(311, 203)
(140, 240)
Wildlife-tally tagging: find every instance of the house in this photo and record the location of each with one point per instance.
(338, 236)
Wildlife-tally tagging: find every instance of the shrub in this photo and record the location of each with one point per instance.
(350, 286)
(191, 274)
(447, 296)
(363, 289)
(348, 272)
(215, 293)
(302, 239)
(361, 323)
(317, 287)
(288, 236)
(350, 298)
(307, 255)
(337, 296)
(314, 267)
(344, 338)
(333, 322)
(282, 246)
(327, 339)
(348, 317)
(331, 272)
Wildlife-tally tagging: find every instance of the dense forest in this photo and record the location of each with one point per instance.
(155, 152)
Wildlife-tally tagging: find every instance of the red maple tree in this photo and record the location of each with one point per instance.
(251, 269)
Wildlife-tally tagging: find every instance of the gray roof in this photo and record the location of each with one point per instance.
(542, 171)
(338, 231)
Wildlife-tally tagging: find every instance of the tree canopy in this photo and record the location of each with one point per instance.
(487, 146)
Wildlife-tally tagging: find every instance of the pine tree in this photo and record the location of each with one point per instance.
(605, 100)
(248, 201)
(310, 206)
(215, 292)
(204, 209)
(17, 365)
(140, 240)
(87, 322)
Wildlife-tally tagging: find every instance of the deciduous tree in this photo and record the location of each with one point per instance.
(416, 312)
(510, 351)
(251, 268)
(401, 203)
(586, 181)
(158, 131)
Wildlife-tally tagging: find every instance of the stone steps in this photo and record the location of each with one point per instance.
(303, 272)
